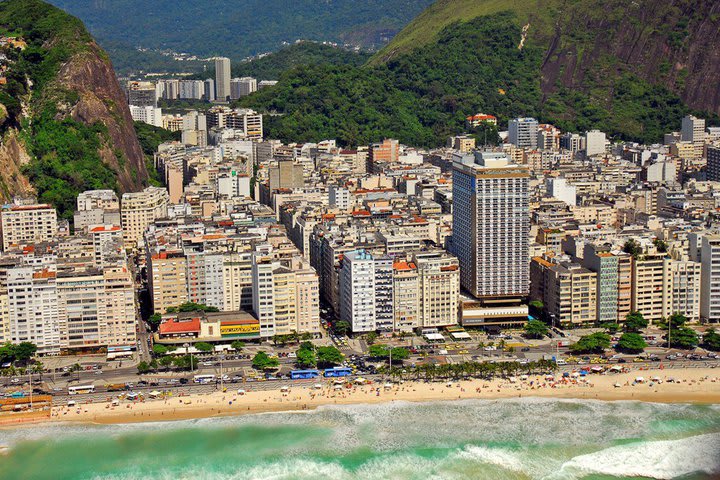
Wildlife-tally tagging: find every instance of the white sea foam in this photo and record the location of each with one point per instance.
(665, 459)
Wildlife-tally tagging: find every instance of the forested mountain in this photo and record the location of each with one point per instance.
(65, 123)
(235, 28)
(631, 69)
(270, 67)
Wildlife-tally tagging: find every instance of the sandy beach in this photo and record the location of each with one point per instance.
(689, 386)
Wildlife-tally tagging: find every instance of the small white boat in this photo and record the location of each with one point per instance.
(241, 391)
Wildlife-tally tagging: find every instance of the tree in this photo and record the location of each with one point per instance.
(631, 343)
(683, 337)
(143, 367)
(237, 345)
(192, 307)
(611, 327)
(160, 349)
(342, 327)
(382, 351)
(184, 362)
(535, 329)
(378, 350)
(536, 307)
(204, 347)
(633, 248)
(676, 320)
(593, 343)
(306, 358)
(371, 337)
(24, 351)
(634, 322)
(711, 340)
(166, 361)
(661, 245)
(154, 321)
(327, 356)
(262, 361)
(400, 353)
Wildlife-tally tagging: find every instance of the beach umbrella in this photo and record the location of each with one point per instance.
(617, 385)
(317, 386)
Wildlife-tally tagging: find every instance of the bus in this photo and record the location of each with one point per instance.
(81, 389)
(338, 372)
(204, 378)
(298, 374)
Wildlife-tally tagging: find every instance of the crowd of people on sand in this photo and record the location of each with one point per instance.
(303, 397)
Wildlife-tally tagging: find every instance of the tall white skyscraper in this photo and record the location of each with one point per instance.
(491, 225)
(222, 78)
(523, 132)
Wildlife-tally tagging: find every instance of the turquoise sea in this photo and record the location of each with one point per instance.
(478, 439)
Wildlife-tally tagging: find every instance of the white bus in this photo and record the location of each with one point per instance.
(204, 378)
(81, 389)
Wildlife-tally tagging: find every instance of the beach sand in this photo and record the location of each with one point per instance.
(690, 386)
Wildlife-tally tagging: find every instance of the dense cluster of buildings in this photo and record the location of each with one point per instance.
(143, 96)
(385, 237)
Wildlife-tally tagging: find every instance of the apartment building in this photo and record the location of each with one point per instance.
(139, 210)
(439, 281)
(567, 290)
(33, 309)
(167, 280)
(27, 224)
(652, 286)
(357, 291)
(710, 275)
(406, 296)
(686, 286)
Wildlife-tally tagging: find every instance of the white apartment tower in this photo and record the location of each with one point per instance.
(594, 143)
(523, 132)
(491, 225)
(710, 274)
(357, 290)
(222, 78)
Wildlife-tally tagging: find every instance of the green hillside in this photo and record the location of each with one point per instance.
(234, 28)
(66, 108)
(271, 66)
(426, 26)
(631, 70)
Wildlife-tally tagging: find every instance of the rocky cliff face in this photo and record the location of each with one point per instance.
(64, 120)
(674, 43)
(100, 99)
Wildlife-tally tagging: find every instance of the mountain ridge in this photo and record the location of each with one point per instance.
(67, 117)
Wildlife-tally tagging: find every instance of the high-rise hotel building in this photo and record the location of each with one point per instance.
(491, 225)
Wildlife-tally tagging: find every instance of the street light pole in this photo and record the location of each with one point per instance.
(222, 357)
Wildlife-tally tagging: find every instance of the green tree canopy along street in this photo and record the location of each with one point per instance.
(535, 329)
(593, 343)
(631, 343)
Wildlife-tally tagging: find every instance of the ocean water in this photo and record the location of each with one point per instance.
(477, 439)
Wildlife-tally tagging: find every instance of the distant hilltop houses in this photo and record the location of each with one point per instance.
(7, 42)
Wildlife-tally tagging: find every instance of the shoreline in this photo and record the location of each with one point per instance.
(698, 386)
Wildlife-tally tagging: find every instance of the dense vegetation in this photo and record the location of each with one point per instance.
(151, 136)
(65, 152)
(270, 67)
(236, 28)
(420, 98)
(424, 96)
